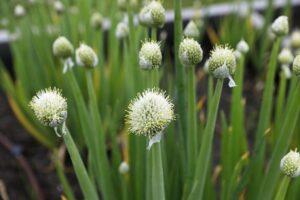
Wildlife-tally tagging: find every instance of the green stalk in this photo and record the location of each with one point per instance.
(284, 185)
(192, 120)
(206, 146)
(180, 83)
(62, 177)
(264, 122)
(88, 189)
(158, 187)
(282, 143)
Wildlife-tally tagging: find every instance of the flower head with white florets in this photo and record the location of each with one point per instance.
(285, 58)
(190, 52)
(64, 49)
(152, 15)
(280, 26)
(86, 56)
(149, 114)
(290, 164)
(50, 107)
(222, 63)
(150, 55)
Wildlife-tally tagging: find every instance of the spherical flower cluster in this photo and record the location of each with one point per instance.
(295, 39)
(290, 164)
(222, 62)
(50, 107)
(191, 30)
(123, 168)
(122, 30)
(19, 11)
(150, 55)
(190, 52)
(58, 6)
(152, 15)
(280, 26)
(150, 113)
(96, 20)
(62, 48)
(285, 56)
(296, 65)
(242, 46)
(86, 56)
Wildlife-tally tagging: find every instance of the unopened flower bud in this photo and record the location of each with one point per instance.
(96, 21)
(237, 54)
(62, 48)
(123, 168)
(280, 26)
(150, 55)
(285, 56)
(296, 65)
(242, 46)
(190, 52)
(50, 107)
(122, 4)
(295, 39)
(290, 164)
(122, 30)
(86, 56)
(19, 11)
(222, 63)
(152, 15)
(191, 30)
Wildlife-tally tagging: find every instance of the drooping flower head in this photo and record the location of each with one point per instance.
(150, 56)
(50, 107)
(222, 63)
(290, 164)
(150, 113)
(86, 56)
(190, 52)
(152, 15)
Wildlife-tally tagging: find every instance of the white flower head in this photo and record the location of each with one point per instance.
(152, 15)
(96, 20)
(86, 56)
(19, 11)
(62, 47)
(150, 55)
(123, 168)
(222, 63)
(190, 52)
(58, 6)
(296, 65)
(122, 30)
(50, 107)
(285, 56)
(191, 30)
(295, 39)
(290, 164)
(242, 46)
(150, 113)
(280, 26)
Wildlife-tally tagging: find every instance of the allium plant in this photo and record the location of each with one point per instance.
(132, 111)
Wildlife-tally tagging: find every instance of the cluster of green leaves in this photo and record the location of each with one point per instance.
(97, 100)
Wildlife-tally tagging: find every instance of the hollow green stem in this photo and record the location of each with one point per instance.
(206, 146)
(283, 187)
(158, 187)
(192, 120)
(88, 189)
